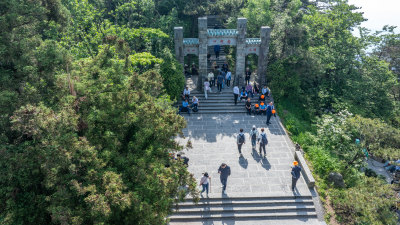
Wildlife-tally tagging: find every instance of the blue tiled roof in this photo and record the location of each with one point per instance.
(191, 41)
(253, 41)
(222, 32)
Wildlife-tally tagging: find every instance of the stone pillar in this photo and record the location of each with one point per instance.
(202, 23)
(240, 51)
(178, 38)
(263, 55)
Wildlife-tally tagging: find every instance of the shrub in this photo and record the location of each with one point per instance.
(369, 202)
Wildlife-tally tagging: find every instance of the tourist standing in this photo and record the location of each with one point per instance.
(206, 88)
(247, 75)
(204, 182)
(220, 81)
(241, 140)
(235, 94)
(224, 76)
(225, 67)
(228, 78)
(210, 77)
(296, 169)
(224, 172)
(217, 49)
(262, 139)
(270, 107)
(194, 69)
(253, 137)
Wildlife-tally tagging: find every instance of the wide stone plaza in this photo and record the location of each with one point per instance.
(213, 138)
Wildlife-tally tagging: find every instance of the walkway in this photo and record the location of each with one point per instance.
(213, 137)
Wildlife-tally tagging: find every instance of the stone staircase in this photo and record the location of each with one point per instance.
(221, 102)
(256, 208)
(213, 21)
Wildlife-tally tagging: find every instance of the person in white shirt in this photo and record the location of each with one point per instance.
(210, 77)
(195, 104)
(186, 94)
(236, 94)
(265, 91)
(262, 139)
(228, 78)
(206, 88)
(204, 182)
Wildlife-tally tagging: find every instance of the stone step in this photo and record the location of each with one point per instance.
(220, 111)
(241, 216)
(244, 209)
(250, 200)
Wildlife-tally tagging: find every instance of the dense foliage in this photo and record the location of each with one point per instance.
(86, 89)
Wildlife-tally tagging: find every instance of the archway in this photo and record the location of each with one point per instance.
(231, 37)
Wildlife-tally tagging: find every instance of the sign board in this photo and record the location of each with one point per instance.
(191, 50)
(221, 41)
(252, 50)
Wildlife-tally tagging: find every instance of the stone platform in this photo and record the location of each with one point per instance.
(213, 139)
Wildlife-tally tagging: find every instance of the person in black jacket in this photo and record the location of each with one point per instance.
(224, 172)
(296, 169)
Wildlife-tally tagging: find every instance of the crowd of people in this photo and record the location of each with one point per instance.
(261, 105)
(221, 78)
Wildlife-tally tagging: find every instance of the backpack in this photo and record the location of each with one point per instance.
(264, 139)
(241, 138)
(254, 136)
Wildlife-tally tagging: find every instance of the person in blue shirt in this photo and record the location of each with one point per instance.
(263, 108)
(184, 107)
(394, 166)
(243, 95)
(217, 49)
(270, 107)
(296, 169)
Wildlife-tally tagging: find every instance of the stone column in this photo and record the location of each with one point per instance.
(178, 38)
(202, 23)
(240, 51)
(263, 55)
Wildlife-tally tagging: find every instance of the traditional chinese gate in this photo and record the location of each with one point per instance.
(235, 37)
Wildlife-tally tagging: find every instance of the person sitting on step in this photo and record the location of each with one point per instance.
(195, 104)
(248, 106)
(263, 108)
(186, 93)
(261, 99)
(256, 109)
(243, 95)
(249, 90)
(184, 107)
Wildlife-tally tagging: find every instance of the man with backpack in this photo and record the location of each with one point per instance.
(220, 81)
(240, 141)
(253, 137)
(262, 139)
